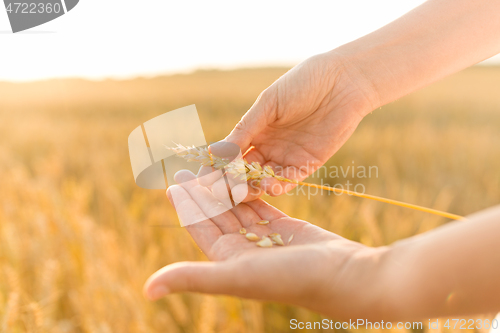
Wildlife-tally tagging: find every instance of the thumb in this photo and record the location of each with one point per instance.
(203, 277)
(262, 112)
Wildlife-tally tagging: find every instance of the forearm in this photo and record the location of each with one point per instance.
(453, 270)
(436, 39)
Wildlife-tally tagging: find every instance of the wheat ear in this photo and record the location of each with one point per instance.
(254, 171)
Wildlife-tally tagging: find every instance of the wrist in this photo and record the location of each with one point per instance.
(374, 285)
(362, 88)
(398, 270)
(358, 287)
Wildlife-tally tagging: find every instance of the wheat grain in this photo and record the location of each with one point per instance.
(263, 222)
(290, 239)
(265, 242)
(243, 231)
(252, 237)
(276, 238)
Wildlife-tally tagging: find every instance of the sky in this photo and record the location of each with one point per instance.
(123, 38)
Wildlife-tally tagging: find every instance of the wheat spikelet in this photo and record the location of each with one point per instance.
(239, 168)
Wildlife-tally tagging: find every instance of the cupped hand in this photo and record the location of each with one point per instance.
(317, 269)
(303, 118)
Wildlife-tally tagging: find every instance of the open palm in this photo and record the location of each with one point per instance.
(301, 272)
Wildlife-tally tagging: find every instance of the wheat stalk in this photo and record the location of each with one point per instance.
(254, 171)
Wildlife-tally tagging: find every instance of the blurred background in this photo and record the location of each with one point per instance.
(78, 238)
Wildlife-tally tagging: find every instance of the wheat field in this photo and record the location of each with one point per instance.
(78, 238)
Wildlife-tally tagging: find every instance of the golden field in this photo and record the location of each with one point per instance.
(78, 238)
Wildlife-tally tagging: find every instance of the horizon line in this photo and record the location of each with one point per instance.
(182, 72)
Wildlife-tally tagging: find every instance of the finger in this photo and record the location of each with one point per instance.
(284, 276)
(265, 210)
(246, 192)
(208, 175)
(240, 190)
(255, 120)
(214, 209)
(204, 232)
(220, 189)
(204, 277)
(295, 173)
(226, 150)
(274, 187)
(187, 210)
(240, 193)
(255, 156)
(246, 215)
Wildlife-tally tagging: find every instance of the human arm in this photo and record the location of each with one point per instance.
(304, 117)
(452, 270)
(436, 39)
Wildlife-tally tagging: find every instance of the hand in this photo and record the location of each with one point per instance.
(303, 118)
(318, 269)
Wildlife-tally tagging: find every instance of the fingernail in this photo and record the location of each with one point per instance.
(157, 293)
